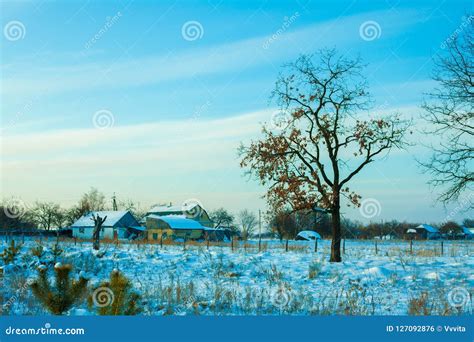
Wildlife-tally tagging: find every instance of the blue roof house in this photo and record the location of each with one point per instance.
(118, 225)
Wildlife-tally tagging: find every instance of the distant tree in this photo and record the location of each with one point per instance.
(450, 228)
(221, 217)
(94, 200)
(9, 221)
(284, 224)
(468, 223)
(46, 215)
(323, 141)
(248, 222)
(132, 206)
(449, 110)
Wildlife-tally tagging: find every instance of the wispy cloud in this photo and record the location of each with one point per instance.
(229, 57)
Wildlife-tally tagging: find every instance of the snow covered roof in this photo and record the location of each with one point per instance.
(113, 217)
(165, 208)
(178, 222)
(309, 235)
(468, 231)
(411, 231)
(428, 228)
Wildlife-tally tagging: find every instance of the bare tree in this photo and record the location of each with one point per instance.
(248, 223)
(98, 221)
(46, 215)
(221, 217)
(449, 110)
(324, 141)
(94, 200)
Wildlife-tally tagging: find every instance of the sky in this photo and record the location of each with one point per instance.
(150, 100)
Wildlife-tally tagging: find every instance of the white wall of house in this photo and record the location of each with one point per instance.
(106, 233)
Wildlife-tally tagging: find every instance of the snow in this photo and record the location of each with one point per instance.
(309, 235)
(428, 228)
(380, 284)
(113, 217)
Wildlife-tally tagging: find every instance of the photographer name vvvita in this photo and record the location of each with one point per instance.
(426, 328)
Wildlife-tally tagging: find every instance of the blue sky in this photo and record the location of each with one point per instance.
(176, 106)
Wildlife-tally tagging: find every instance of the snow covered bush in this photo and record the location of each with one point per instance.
(66, 292)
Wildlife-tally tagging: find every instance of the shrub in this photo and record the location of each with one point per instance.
(66, 292)
(37, 251)
(9, 254)
(314, 270)
(115, 297)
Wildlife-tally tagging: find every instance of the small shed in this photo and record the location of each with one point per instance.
(118, 225)
(174, 227)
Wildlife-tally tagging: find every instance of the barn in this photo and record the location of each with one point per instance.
(174, 227)
(118, 225)
(424, 232)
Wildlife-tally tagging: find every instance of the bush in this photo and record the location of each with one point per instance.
(9, 254)
(66, 292)
(115, 297)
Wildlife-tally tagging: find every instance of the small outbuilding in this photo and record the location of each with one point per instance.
(173, 227)
(424, 232)
(308, 235)
(118, 225)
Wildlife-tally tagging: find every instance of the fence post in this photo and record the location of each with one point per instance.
(376, 249)
(184, 243)
(411, 246)
(344, 246)
(286, 245)
(161, 240)
(232, 243)
(75, 241)
(442, 247)
(207, 242)
(315, 245)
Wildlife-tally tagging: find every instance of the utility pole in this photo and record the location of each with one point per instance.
(114, 203)
(259, 230)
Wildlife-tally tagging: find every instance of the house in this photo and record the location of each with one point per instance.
(191, 211)
(308, 235)
(174, 227)
(118, 225)
(424, 232)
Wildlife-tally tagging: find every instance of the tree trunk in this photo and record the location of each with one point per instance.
(336, 235)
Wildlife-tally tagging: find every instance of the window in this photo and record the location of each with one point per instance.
(155, 236)
(81, 230)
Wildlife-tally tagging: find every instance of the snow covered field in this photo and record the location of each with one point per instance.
(220, 281)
